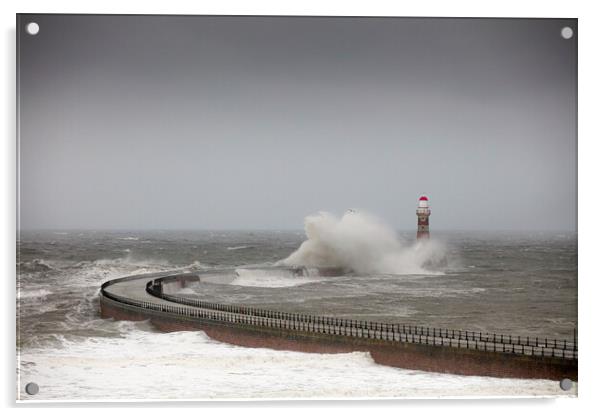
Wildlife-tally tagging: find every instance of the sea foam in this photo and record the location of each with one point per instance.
(361, 243)
(274, 277)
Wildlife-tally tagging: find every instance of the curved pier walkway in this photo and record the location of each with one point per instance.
(414, 347)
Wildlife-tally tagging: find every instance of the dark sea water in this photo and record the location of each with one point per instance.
(523, 284)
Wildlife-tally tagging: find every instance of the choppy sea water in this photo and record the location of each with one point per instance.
(523, 284)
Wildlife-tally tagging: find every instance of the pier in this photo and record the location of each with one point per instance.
(443, 350)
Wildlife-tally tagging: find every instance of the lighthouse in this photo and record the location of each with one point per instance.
(423, 212)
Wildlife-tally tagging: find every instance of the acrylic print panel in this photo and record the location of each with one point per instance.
(230, 207)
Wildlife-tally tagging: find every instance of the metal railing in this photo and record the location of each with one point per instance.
(245, 315)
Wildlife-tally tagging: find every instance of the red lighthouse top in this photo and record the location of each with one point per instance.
(423, 198)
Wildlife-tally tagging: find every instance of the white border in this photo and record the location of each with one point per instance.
(590, 68)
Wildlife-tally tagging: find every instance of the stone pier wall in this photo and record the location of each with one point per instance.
(397, 354)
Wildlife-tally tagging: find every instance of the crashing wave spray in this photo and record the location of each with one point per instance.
(361, 243)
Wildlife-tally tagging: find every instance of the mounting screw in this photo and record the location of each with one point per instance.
(32, 388)
(566, 384)
(566, 32)
(32, 28)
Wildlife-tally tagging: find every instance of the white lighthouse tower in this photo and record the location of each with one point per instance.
(423, 212)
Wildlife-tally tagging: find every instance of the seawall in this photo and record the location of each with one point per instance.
(251, 330)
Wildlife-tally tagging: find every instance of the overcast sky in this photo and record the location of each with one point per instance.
(255, 122)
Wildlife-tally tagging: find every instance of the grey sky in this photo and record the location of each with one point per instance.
(256, 122)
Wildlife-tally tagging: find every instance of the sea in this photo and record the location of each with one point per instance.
(520, 283)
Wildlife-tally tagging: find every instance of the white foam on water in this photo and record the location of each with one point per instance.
(238, 248)
(272, 278)
(189, 365)
(35, 293)
(185, 291)
(91, 273)
(37, 265)
(197, 265)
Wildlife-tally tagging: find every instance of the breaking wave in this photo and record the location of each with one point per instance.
(76, 366)
(35, 265)
(361, 243)
(275, 277)
(238, 248)
(35, 293)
